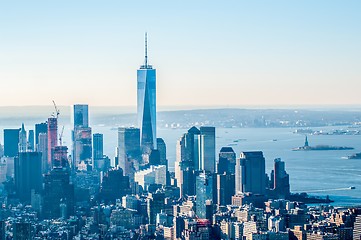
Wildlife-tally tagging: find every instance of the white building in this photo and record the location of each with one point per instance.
(152, 175)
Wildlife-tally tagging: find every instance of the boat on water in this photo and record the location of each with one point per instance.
(355, 156)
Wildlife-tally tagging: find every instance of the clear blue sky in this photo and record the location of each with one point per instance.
(224, 53)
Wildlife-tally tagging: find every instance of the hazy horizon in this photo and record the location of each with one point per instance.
(205, 53)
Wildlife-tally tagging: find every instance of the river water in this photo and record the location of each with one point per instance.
(325, 171)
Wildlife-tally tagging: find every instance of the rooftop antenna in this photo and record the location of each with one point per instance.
(146, 51)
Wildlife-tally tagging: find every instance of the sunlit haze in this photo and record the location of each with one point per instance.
(207, 53)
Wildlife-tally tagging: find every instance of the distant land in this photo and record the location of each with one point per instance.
(184, 118)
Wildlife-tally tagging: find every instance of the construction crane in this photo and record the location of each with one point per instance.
(61, 136)
(57, 112)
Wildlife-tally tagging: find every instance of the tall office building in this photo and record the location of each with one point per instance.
(280, 180)
(207, 149)
(31, 141)
(81, 117)
(40, 128)
(226, 161)
(23, 142)
(42, 146)
(251, 173)
(162, 148)
(11, 142)
(52, 138)
(58, 191)
(186, 164)
(28, 174)
(82, 136)
(146, 104)
(129, 153)
(204, 194)
(82, 148)
(225, 188)
(97, 146)
(100, 161)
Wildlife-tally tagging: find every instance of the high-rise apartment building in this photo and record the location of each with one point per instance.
(146, 104)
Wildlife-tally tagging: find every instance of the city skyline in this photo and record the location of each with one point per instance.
(294, 53)
(218, 173)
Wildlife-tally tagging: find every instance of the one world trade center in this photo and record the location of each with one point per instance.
(146, 104)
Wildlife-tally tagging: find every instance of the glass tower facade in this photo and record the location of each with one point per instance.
(146, 105)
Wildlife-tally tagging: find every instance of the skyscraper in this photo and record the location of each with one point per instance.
(40, 128)
(129, 149)
(204, 193)
(251, 173)
(98, 155)
(146, 104)
(57, 190)
(28, 174)
(82, 146)
(161, 146)
(226, 161)
(31, 141)
(11, 142)
(22, 139)
(82, 136)
(80, 117)
(187, 160)
(280, 179)
(207, 149)
(42, 146)
(52, 138)
(97, 146)
(225, 188)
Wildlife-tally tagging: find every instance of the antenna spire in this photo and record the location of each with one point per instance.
(146, 51)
